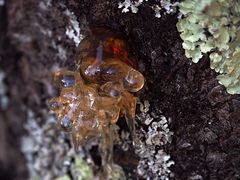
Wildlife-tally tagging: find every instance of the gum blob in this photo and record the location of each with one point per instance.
(94, 97)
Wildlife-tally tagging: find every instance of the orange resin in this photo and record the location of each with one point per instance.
(98, 93)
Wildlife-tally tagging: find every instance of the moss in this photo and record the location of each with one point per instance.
(212, 26)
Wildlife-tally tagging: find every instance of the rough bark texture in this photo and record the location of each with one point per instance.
(205, 119)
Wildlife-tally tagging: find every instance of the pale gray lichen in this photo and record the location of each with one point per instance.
(3, 92)
(157, 10)
(46, 32)
(45, 4)
(154, 161)
(125, 137)
(61, 52)
(130, 4)
(122, 139)
(2, 2)
(164, 6)
(73, 30)
(195, 177)
(48, 153)
(44, 148)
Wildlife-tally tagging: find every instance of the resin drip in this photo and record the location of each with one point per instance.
(93, 97)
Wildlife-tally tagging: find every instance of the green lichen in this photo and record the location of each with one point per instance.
(81, 170)
(65, 177)
(213, 26)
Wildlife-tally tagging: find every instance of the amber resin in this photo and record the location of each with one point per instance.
(93, 97)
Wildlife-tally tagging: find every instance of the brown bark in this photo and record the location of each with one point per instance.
(205, 119)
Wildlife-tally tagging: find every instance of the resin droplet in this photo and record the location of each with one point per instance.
(112, 70)
(66, 123)
(68, 81)
(133, 81)
(93, 98)
(104, 44)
